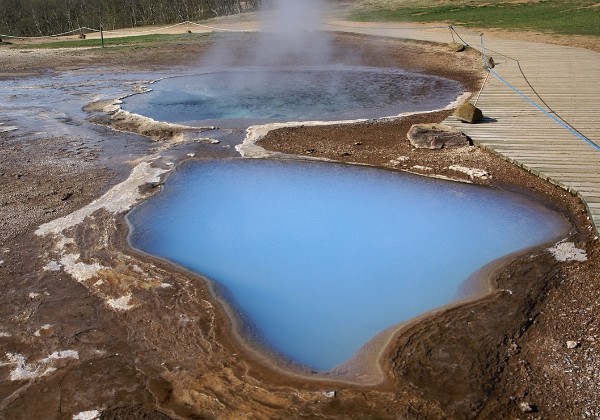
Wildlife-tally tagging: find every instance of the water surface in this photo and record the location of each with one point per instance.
(293, 94)
(321, 257)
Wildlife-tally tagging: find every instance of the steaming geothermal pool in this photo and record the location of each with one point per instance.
(320, 257)
(326, 93)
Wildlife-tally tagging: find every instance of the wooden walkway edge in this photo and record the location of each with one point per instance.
(564, 81)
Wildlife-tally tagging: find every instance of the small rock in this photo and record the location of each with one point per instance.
(53, 266)
(567, 251)
(66, 196)
(435, 136)
(358, 143)
(526, 407)
(514, 349)
(422, 168)
(399, 160)
(44, 331)
(471, 172)
(191, 154)
(468, 113)
(456, 46)
(572, 344)
(329, 394)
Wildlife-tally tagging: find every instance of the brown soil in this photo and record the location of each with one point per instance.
(173, 353)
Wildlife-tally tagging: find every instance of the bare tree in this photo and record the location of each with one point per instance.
(46, 17)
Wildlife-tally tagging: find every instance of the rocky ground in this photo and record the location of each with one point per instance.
(93, 328)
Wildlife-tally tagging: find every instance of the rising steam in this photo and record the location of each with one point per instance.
(290, 35)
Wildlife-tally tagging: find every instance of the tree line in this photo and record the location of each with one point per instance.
(49, 17)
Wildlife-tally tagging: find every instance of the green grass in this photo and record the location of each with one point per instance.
(558, 16)
(129, 41)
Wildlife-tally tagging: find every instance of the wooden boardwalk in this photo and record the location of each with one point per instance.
(564, 81)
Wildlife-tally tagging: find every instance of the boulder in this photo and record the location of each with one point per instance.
(436, 136)
(456, 47)
(468, 113)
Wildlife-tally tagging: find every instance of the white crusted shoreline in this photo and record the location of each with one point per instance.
(249, 149)
(118, 199)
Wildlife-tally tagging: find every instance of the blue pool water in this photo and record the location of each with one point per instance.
(293, 94)
(320, 258)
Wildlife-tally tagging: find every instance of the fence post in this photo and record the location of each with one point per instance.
(101, 36)
(483, 54)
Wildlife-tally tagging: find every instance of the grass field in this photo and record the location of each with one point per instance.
(572, 17)
(129, 41)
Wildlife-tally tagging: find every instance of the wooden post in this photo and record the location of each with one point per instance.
(101, 36)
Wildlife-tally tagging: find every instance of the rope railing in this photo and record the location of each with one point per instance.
(187, 22)
(525, 78)
(217, 29)
(86, 28)
(548, 111)
(453, 31)
(552, 116)
(416, 28)
(74, 31)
